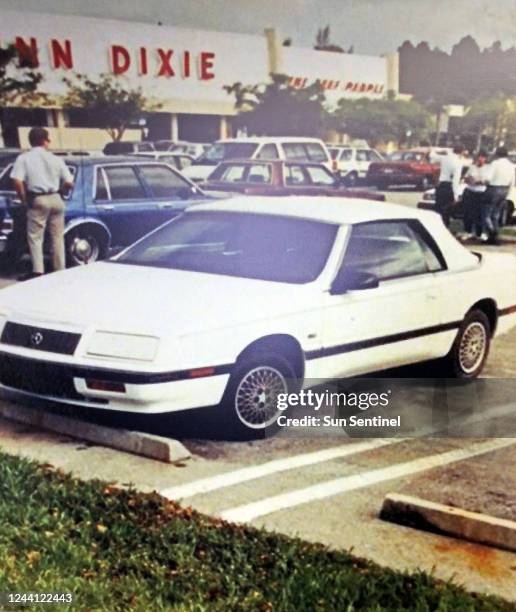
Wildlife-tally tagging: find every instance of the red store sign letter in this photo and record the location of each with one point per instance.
(61, 57)
(165, 58)
(120, 59)
(28, 53)
(206, 66)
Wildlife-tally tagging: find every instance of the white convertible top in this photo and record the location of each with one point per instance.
(347, 211)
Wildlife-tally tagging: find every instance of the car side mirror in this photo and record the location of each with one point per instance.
(353, 280)
(185, 193)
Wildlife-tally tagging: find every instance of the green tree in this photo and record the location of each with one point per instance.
(278, 109)
(382, 120)
(488, 117)
(18, 82)
(323, 41)
(18, 79)
(108, 100)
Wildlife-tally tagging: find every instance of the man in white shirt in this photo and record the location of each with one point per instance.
(474, 195)
(447, 191)
(38, 177)
(501, 180)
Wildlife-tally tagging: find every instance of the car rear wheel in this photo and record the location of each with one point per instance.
(250, 401)
(382, 185)
(85, 244)
(351, 179)
(469, 352)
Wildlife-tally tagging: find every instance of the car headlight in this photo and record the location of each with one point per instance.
(123, 346)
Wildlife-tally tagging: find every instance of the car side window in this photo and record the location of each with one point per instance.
(346, 155)
(295, 150)
(362, 156)
(233, 173)
(319, 175)
(123, 183)
(315, 152)
(268, 151)
(163, 181)
(388, 250)
(374, 156)
(101, 192)
(6, 183)
(259, 173)
(294, 175)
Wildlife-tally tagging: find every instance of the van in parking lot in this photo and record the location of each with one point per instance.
(291, 148)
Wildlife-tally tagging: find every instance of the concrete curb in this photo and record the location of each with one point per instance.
(439, 518)
(138, 443)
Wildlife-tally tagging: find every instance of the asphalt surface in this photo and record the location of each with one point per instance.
(330, 489)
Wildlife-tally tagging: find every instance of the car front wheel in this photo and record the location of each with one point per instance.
(469, 352)
(250, 403)
(425, 183)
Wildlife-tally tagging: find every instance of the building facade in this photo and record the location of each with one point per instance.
(182, 70)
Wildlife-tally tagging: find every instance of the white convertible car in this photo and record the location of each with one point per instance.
(237, 301)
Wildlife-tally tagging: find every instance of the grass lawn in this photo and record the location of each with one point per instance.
(118, 549)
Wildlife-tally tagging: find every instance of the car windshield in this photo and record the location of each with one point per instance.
(221, 151)
(264, 247)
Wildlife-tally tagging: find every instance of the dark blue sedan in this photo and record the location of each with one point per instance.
(114, 201)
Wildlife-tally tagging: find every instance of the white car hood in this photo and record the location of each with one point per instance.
(137, 299)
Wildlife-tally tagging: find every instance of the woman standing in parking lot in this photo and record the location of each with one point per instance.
(474, 194)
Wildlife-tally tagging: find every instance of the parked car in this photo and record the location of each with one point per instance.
(77, 152)
(404, 168)
(287, 148)
(195, 149)
(279, 178)
(114, 202)
(123, 147)
(352, 164)
(427, 202)
(237, 301)
(179, 161)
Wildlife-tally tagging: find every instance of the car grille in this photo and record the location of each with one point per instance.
(36, 377)
(40, 338)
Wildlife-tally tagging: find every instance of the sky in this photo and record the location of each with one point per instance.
(372, 26)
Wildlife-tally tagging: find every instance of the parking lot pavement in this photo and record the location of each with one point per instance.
(329, 490)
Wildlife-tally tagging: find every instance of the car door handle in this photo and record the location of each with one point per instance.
(107, 207)
(165, 205)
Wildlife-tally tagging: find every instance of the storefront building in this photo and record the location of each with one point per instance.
(182, 70)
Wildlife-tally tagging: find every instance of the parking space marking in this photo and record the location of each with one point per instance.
(248, 512)
(228, 479)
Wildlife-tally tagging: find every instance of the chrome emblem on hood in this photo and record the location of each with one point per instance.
(36, 338)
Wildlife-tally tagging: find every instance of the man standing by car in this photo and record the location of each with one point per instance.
(447, 191)
(500, 182)
(38, 176)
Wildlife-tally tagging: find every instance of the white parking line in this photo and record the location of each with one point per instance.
(212, 483)
(248, 512)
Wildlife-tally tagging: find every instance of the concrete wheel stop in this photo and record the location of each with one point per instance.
(135, 442)
(448, 520)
